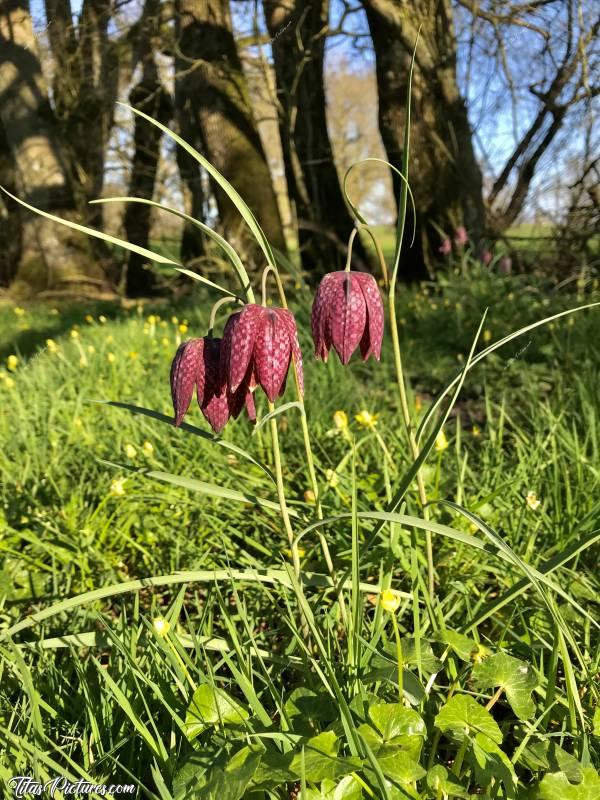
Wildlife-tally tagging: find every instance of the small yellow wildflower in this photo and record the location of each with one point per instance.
(532, 501)
(390, 600)
(111, 358)
(55, 312)
(309, 496)
(102, 319)
(51, 345)
(473, 528)
(109, 339)
(117, 487)
(300, 550)
(418, 402)
(478, 653)
(77, 422)
(487, 336)
(89, 318)
(340, 420)
(8, 381)
(74, 334)
(91, 348)
(130, 451)
(12, 362)
(332, 478)
(441, 442)
(161, 627)
(476, 431)
(148, 448)
(19, 311)
(174, 320)
(83, 361)
(434, 306)
(183, 328)
(165, 342)
(366, 419)
(152, 319)
(133, 354)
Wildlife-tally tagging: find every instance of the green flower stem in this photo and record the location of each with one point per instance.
(411, 435)
(213, 312)
(400, 659)
(460, 757)
(281, 493)
(310, 459)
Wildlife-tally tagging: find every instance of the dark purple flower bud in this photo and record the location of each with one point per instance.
(258, 344)
(197, 363)
(184, 371)
(347, 312)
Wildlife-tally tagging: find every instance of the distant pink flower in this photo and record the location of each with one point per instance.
(461, 236)
(258, 345)
(347, 312)
(446, 247)
(486, 257)
(505, 265)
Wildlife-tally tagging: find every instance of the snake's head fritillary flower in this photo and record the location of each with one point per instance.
(197, 365)
(259, 344)
(347, 312)
(486, 257)
(505, 265)
(446, 247)
(461, 237)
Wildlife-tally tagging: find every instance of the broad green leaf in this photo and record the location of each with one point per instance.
(429, 663)
(321, 760)
(231, 783)
(393, 720)
(516, 677)
(347, 789)
(212, 706)
(443, 783)
(556, 786)
(462, 645)
(400, 766)
(310, 705)
(548, 756)
(463, 716)
(490, 761)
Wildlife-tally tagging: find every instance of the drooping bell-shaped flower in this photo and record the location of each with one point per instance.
(258, 346)
(197, 363)
(347, 312)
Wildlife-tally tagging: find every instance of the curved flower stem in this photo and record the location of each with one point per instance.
(281, 493)
(215, 308)
(350, 243)
(309, 454)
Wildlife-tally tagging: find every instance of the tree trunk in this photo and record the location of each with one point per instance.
(443, 171)
(211, 91)
(192, 239)
(11, 232)
(149, 96)
(296, 28)
(52, 256)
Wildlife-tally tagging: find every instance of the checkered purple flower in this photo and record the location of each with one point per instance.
(347, 312)
(258, 346)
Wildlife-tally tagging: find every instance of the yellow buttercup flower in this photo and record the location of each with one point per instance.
(117, 487)
(487, 336)
(532, 501)
(183, 328)
(111, 358)
(74, 334)
(102, 319)
(133, 354)
(340, 420)
(332, 478)
(51, 345)
(89, 318)
(441, 442)
(148, 448)
(8, 381)
(476, 431)
(174, 320)
(300, 550)
(19, 311)
(130, 451)
(165, 342)
(390, 600)
(161, 627)
(309, 496)
(12, 362)
(366, 419)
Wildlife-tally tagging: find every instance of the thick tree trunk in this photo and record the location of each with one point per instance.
(52, 256)
(443, 172)
(211, 91)
(296, 28)
(11, 232)
(149, 96)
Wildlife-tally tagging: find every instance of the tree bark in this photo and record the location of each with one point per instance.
(443, 172)
(52, 256)
(11, 232)
(149, 96)
(211, 92)
(297, 30)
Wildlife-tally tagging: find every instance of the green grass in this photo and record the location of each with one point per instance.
(257, 675)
